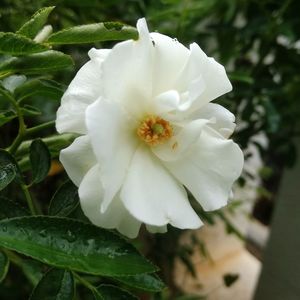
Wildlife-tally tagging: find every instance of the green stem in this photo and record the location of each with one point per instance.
(22, 127)
(40, 127)
(17, 142)
(86, 283)
(28, 198)
(56, 141)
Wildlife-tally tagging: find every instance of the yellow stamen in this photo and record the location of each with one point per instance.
(154, 130)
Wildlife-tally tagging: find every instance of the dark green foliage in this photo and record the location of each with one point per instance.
(65, 200)
(110, 292)
(40, 160)
(56, 284)
(4, 265)
(10, 209)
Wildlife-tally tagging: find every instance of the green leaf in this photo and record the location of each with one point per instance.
(111, 292)
(8, 169)
(45, 62)
(30, 111)
(6, 117)
(65, 200)
(39, 87)
(108, 31)
(40, 160)
(4, 265)
(10, 209)
(146, 282)
(67, 243)
(56, 284)
(230, 279)
(15, 44)
(31, 28)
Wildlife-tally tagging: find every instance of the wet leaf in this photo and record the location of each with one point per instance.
(8, 169)
(67, 243)
(146, 282)
(108, 31)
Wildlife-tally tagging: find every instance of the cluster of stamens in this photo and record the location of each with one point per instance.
(154, 130)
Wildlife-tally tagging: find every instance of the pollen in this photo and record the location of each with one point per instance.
(154, 130)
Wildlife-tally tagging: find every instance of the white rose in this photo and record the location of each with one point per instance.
(148, 130)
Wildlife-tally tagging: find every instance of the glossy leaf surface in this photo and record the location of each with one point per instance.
(71, 244)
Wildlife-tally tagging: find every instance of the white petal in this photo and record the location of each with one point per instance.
(166, 102)
(113, 141)
(116, 216)
(176, 146)
(153, 196)
(157, 229)
(78, 158)
(98, 54)
(222, 120)
(214, 81)
(127, 72)
(170, 57)
(209, 170)
(84, 89)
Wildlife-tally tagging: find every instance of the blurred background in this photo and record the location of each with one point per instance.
(250, 249)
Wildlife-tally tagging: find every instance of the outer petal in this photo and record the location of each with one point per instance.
(222, 120)
(209, 170)
(116, 216)
(113, 142)
(153, 196)
(157, 229)
(78, 158)
(127, 72)
(211, 76)
(175, 147)
(84, 89)
(170, 57)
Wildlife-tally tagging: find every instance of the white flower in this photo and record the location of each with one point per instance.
(148, 130)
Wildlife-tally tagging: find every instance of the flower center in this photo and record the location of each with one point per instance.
(154, 130)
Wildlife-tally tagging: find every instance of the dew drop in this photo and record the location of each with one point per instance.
(43, 233)
(70, 236)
